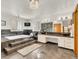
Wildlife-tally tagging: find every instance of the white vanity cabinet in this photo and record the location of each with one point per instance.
(42, 38)
(66, 42)
(72, 43)
(61, 42)
(69, 43)
(47, 38)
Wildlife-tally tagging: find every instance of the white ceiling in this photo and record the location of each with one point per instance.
(46, 7)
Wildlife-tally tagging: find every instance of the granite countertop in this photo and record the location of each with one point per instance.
(58, 34)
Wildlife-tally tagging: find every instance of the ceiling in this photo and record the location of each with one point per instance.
(46, 8)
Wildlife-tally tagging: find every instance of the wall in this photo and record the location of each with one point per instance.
(35, 25)
(21, 24)
(47, 8)
(7, 24)
(17, 23)
(10, 21)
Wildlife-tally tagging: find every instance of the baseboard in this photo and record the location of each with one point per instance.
(67, 48)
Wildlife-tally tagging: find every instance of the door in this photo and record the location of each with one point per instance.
(57, 27)
(76, 31)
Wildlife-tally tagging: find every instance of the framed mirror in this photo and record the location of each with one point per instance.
(3, 23)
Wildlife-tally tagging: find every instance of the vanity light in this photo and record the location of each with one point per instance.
(66, 17)
(60, 18)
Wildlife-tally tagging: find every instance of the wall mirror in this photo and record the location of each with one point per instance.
(3, 23)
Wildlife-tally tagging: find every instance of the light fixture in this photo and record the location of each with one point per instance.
(34, 4)
(60, 18)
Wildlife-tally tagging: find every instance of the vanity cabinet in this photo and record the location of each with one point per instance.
(42, 38)
(66, 42)
(61, 42)
(47, 38)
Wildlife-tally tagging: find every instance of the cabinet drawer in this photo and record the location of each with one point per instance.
(61, 42)
(67, 40)
(41, 38)
(67, 46)
(72, 43)
(69, 43)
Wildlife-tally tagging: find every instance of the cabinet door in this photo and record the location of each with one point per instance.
(57, 27)
(75, 15)
(67, 43)
(72, 43)
(61, 42)
(41, 38)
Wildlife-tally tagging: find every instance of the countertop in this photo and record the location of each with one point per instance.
(57, 34)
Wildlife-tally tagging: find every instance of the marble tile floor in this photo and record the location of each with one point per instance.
(46, 51)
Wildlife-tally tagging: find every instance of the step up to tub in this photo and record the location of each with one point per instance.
(9, 50)
(12, 44)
